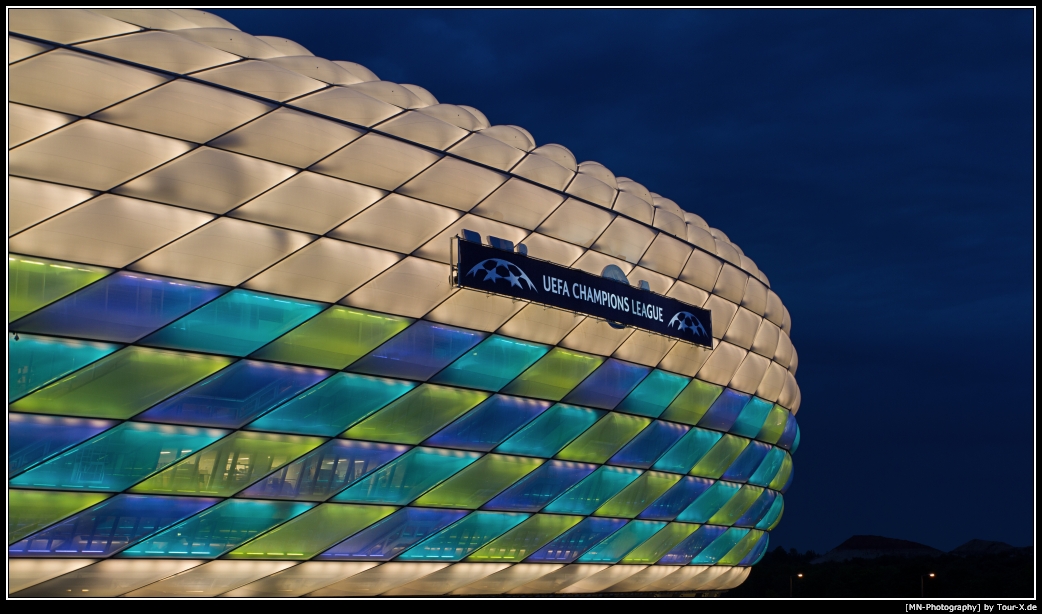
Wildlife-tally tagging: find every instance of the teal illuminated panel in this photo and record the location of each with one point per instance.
(653, 395)
(524, 539)
(119, 458)
(492, 364)
(312, 532)
(774, 425)
(218, 529)
(737, 506)
(659, 544)
(554, 375)
(619, 543)
(34, 282)
(472, 487)
(751, 420)
(417, 415)
(551, 431)
(34, 361)
(603, 439)
(743, 548)
(688, 451)
(34, 438)
(692, 403)
(716, 461)
(723, 544)
(709, 503)
(639, 494)
(408, 476)
(464, 537)
(593, 491)
(773, 515)
(121, 384)
(332, 406)
(237, 323)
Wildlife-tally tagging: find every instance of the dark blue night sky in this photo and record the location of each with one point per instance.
(877, 165)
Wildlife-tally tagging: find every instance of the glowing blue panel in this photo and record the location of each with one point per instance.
(333, 406)
(676, 499)
(789, 434)
(592, 492)
(393, 535)
(464, 537)
(723, 544)
(408, 476)
(768, 468)
(110, 526)
(551, 431)
(709, 502)
(325, 471)
(118, 458)
(419, 351)
(488, 424)
(540, 487)
(759, 508)
(574, 542)
(31, 438)
(235, 395)
(796, 441)
(653, 395)
(122, 307)
(773, 515)
(747, 462)
(608, 385)
(724, 411)
(644, 449)
(692, 545)
(492, 364)
(757, 552)
(34, 361)
(237, 323)
(750, 421)
(619, 543)
(688, 451)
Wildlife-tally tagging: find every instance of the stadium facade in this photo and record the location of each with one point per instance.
(243, 362)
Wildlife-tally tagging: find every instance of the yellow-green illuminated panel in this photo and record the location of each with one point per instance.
(603, 439)
(29, 511)
(312, 532)
(692, 403)
(35, 282)
(554, 375)
(417, 415)
(717, 460)
(472, 487)
(659, 544)
(733, 509)
(524, 539)
(639, 494)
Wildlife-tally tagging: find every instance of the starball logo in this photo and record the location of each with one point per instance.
(495, 269)
(684, 320)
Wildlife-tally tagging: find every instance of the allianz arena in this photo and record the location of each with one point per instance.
(242, 361)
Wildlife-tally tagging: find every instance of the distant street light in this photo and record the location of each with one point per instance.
(922, 583)
(799, 575)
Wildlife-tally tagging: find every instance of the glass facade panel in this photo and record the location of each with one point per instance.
(712, 553)
(229, 465)
(236, 395)
(119, 458)
(332, 406)
(393, 535)
(773, 515)
(551, 431)
(540, 487)
(312, 532)
(592, 492)
(784, 476)
(524, 539)
(676, 499)
(479, 482)
(692, 546)
(110, 526)
(464, 537)
(768, 468)
(34, 282)
(554, 375)
(487, 425)
(774, 425)
(724, 411)
(638, 495)
(692, 403)
(574, 542)
(325, 471)
(608, 385)
(747, 462)
(659, 544)
(334, 338)
(717, 460)
(738, 505)
(218, 529)
(653, 395)
(796, 440)
(691, 448)
(29, 511)
(121, 384)
(709, 502)
(417, 415)
(598, 443)
(789, 433)
(408, 476)
(751, 420)
(419, 351)
(237, 323)
(758, 509)
(34, 361)
(492, 364)
(31, 439)
(644, 449)
(122, 307)
(619, 543)
(758, 550)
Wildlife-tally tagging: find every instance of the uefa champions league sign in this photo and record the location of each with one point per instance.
(519, 276)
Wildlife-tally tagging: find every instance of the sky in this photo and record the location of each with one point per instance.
(875, 164)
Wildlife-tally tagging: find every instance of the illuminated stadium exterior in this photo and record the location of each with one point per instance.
(243, 361)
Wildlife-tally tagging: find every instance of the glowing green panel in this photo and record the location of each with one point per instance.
(738, 505)
(459, 540)
(34, 282)
(229, 465)
(742, 549)
(750, 421)
(417, 415)
(653, 395)
(692, 403)
(603, 439)
(312, 532)
(122, 384)
(593, 491)
(472, 487)
(218, 529)
(554, 375)
(407, 477)
(34, 361)
(782, 478)
(692, 447)
(774, 425)
(640, 493)
(709, 503)
(492, 364)
(28, 511)
(717, 460)
(524, 539)
(660, 543)
(551, 431)
(335, 338)
(619, 543)
(720, 547)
